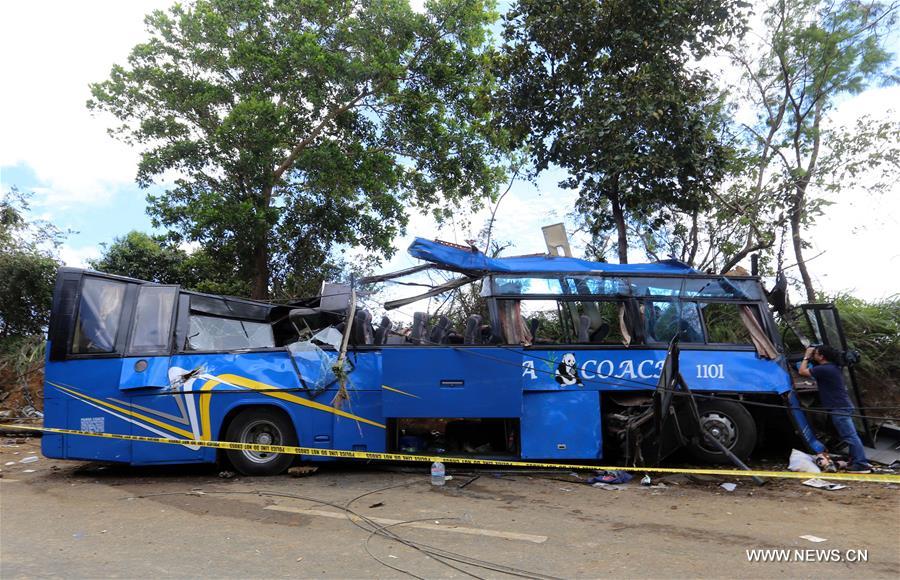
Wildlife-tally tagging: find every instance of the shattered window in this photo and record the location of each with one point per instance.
(214, 333)
(656, 286)
(722, 287)
(98, 316)
(667, 319)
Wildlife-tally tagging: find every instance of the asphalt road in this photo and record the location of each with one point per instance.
(80, 520)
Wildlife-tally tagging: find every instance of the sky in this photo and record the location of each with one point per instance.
(83, 180)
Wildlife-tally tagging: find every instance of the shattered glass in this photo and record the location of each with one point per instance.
(315, 364)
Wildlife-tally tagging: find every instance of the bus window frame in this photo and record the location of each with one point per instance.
(167, 350)
(765, 322)
(757, 314)
(125, 315)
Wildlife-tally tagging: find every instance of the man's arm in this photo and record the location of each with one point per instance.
(804, 364)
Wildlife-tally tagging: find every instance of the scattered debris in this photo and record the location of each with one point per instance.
(8, 463)
(822, 484)
(226, 474)
(804, 462)
(728, 486)
(377, 505)
(646, 480)
(29, 411)
(27, 471)
(611, 477)
(607, 486)
(29, 459)
(703, 478)
(473, 478)
(812, 538)
(676, 479)
(302, 470)
(300, 559)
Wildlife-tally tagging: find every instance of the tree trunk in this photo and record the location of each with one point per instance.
(260, 289)
(797, 241)
(799, 200)
(619, 218)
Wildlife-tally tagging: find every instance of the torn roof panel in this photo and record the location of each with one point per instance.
(462, 259)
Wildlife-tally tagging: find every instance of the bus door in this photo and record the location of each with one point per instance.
(826, 326)
(144, 383)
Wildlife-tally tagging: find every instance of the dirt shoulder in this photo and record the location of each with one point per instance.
(77, 519)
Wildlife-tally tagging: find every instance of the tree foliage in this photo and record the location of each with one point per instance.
(28, 266)
(156, 259)
(297, 126)
(810, 54)
(606, 91)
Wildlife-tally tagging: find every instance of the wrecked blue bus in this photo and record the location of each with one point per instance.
(559, 365)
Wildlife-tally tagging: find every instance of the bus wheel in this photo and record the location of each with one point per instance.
(729, 422)
(265, 427)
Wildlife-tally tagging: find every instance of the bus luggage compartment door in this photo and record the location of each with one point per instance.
(561, 425)
(451, 382)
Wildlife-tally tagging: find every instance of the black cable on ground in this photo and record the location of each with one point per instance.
(432, 551)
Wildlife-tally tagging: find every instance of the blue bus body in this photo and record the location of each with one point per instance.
(130, 357)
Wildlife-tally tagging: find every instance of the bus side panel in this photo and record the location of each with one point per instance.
(54, 414)
(561, 425)
(354, 434)
(628, 370)
(78, 392)
(365, 392)
(452, 382)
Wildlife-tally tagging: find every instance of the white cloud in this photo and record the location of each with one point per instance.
(52, 51)
(78, 257)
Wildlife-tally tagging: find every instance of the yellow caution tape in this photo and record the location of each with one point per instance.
(342, 454)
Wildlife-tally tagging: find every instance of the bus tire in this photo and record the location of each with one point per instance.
(731, 423)
(265, 426)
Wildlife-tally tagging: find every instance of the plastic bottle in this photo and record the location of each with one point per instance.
(438, 474)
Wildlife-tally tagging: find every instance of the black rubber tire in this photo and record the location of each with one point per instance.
(739, 420)
(266, 422)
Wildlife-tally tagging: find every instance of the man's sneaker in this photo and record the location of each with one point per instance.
(859, 468)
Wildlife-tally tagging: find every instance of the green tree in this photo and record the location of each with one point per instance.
(157, 259)
(605, 90)
(296, 126)
(28, 266)
(811, 54)
(139, 255)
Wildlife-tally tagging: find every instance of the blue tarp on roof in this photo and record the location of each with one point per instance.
(474, 261)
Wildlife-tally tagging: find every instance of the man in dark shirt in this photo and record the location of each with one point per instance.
(833, 395)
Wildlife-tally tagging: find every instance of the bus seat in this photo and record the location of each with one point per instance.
(533, 326)
(601, 333)
(361, 332)
(382, 331)
(472, 333)
(440, 330)
(419, 328)
(584, 326)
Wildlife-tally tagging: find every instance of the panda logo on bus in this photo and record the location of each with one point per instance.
(567, 371)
